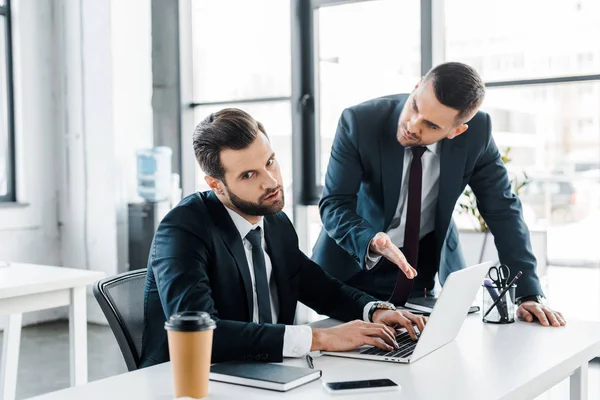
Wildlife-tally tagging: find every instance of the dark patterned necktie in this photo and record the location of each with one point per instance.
(410, 249)
(260, 277)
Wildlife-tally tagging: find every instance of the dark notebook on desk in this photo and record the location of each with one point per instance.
(425, 305)
(262, 375)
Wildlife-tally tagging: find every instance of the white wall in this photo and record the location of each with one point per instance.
(30, 233)
(83, 92)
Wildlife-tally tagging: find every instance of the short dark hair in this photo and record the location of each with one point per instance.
(230, 128)
(458, 86)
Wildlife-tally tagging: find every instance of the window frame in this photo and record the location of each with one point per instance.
(10, 196)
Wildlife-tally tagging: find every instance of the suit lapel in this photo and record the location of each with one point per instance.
(233, 242)
(452, 168)
(392, 159)
(276, 250)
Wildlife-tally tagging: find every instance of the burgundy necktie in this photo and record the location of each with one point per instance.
(410, 249)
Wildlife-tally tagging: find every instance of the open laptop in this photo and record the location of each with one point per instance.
(443, 325)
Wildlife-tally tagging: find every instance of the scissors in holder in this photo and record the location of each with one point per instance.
(499, 275)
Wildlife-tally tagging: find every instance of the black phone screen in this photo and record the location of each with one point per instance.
(373, 383)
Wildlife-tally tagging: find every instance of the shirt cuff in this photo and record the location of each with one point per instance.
(297, 340)
(366, 311)
(371, 260)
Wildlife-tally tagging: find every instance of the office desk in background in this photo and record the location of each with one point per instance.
(28, 287)
(492, 362)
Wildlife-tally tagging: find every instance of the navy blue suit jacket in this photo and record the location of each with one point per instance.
(362, 189)
(197, 263)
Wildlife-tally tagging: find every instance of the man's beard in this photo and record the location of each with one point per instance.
(257, 209)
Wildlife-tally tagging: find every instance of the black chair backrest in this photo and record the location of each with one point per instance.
(121, 298)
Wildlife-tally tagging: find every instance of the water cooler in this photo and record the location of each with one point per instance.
(144, 218)
(157, 188)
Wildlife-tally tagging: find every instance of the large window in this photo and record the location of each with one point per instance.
(380, 58)
(242, 60)
(553, 132)
(7, 150)
(512, 39)
(241, 49)
(541, 60)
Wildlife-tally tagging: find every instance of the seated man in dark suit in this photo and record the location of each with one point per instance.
(233, 253)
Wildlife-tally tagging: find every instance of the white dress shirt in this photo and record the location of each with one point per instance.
(429, 194)
(297, 339)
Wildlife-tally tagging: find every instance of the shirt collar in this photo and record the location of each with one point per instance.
(434, 148)
(242, 224)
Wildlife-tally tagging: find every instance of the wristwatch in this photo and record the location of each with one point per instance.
(380, 305)
(535, 297)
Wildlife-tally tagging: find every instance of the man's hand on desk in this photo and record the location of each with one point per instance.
(531, 310)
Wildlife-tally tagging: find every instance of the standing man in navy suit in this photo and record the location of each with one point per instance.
(398, 165)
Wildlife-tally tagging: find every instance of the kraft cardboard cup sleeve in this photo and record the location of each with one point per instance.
(190, 335)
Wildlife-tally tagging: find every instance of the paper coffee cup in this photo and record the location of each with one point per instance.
(190, 335)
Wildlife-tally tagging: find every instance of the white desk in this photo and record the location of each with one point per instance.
(517, 361)
(27, 287)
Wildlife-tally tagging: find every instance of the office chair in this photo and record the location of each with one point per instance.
(121, 298)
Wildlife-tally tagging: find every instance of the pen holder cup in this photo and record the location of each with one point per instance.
(503, 312)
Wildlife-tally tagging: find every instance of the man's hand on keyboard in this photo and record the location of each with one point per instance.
(352, 335)
(400, 319)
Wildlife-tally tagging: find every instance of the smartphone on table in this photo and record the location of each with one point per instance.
(370, 385)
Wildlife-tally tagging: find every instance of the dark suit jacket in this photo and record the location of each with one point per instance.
(362, 189)
(197, 262)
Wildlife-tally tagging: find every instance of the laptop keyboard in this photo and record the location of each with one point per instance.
(405, 343)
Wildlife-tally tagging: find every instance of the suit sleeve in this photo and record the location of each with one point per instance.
(502, 212)
(325, 294)
(180, 263)
(342, 182)
(328, 296)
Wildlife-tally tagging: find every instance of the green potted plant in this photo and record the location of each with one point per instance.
(468, 202)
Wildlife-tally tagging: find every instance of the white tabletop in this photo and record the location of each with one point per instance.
(517, 361)
(22, 279)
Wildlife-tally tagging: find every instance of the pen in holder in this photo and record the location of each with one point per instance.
(498, 303)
